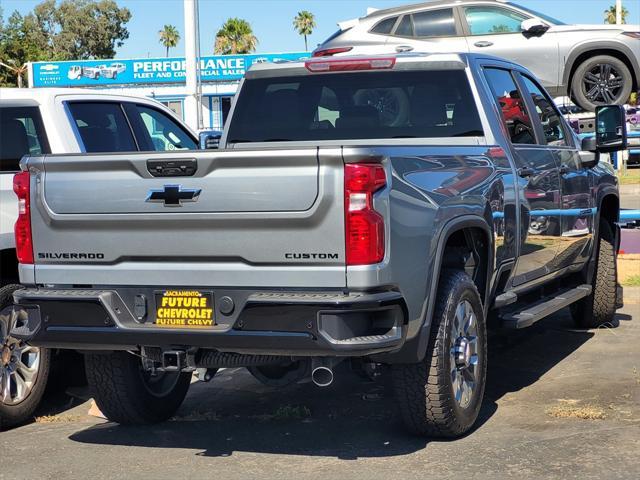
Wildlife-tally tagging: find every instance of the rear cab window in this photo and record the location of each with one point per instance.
(356, 105)
(21, 133)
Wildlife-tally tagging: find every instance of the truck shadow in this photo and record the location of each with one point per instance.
(352, 418)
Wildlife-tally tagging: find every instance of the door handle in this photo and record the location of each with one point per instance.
(483, 43)
(525, 172)
(404, 48)
(564, 169)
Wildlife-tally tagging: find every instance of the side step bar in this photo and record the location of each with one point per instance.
(545, 307)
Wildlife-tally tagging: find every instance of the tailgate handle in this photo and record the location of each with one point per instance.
(177, 167)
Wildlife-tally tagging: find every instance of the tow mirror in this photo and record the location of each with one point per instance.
(532, 27)
(611, 128)
(210, 139)
(589, 156)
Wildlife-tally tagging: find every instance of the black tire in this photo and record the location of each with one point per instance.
(599, 308)
(425, 390)
(578, 92)
(12, 415)
(125, 393)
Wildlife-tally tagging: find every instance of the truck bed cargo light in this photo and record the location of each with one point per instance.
(349, 64)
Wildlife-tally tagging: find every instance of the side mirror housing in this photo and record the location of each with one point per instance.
(532, 27)
(589, 156)
(611, 128)
(210, 139)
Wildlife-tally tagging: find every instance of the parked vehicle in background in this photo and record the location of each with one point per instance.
(60, 121)
(593, 64)
(327, 228)
(633, 117)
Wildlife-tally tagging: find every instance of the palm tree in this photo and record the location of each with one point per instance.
(610, 15)
(18, 70)
(304, 23)
(169, 37)
(235, 36)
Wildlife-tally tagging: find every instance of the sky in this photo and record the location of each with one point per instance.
(271, 20)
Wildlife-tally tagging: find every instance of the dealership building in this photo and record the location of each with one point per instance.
(160, 78)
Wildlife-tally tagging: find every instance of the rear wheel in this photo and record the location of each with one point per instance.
(599, 308)
(441, 396)
(24, 370)
(130, 395)
(601, 80)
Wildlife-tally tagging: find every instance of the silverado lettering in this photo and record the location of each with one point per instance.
(71, 256)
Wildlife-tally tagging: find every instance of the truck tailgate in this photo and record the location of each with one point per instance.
(244, 218)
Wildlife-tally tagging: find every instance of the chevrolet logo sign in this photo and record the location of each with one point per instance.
(173, 195)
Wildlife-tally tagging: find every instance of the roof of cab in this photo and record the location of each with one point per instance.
(417, 6)
(404, 61)
(44, 95)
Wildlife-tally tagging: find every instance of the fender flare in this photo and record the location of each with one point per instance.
(452, 226)
(598, 45)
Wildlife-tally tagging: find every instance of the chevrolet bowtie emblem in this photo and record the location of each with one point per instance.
(173, 195)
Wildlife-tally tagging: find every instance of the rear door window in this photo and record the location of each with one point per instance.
(21, 133)
(102, 126)
(405, 28)
(512, 105)
(434, 23)
(356, 105)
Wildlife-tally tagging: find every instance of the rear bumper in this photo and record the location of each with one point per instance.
(262, 323)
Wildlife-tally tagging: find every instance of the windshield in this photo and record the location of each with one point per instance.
(544, 17)
(360, 105)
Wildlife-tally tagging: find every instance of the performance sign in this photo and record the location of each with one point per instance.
(91, 73)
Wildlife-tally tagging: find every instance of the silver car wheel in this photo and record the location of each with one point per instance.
(603, 83)
(464, 354)
(19, 362)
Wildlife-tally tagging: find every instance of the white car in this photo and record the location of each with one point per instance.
(36, 121)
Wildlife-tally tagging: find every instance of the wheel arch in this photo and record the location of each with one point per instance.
(585, 51)
(465, 226)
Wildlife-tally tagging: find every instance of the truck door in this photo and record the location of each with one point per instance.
(539, 183)
(576, 201)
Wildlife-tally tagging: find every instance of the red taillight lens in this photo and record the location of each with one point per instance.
(328, 52)
(364, 227)
(24, 244)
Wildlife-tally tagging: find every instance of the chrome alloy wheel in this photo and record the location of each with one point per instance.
(602, 84)
(464, 354)
(19, 363)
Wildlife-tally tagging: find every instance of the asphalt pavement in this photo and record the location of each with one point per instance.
(560, 402)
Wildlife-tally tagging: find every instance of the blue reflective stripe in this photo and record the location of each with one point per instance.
(629, 214)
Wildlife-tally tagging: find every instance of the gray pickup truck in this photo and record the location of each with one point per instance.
(383, 210)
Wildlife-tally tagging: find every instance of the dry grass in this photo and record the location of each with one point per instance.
(571, 410)
(57, 419)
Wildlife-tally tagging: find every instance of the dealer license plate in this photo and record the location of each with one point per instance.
(184, 309)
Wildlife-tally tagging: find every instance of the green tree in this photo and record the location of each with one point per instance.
(169, 37)
(235, 36)
(304, 23)
(610, 15)
(68, 30)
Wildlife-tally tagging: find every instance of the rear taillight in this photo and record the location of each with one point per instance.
(345, 64)
(364, 227)
(24, 244)
(328, 52)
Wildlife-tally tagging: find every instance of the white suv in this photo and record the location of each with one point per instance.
(37, 121)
